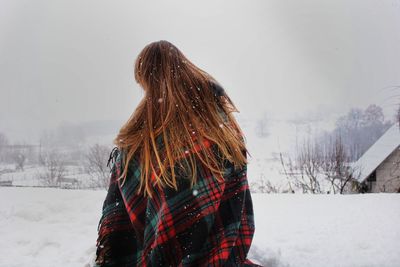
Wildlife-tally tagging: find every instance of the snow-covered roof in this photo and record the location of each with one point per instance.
(378, 152)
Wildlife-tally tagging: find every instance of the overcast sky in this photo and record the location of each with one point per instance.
(73, 60)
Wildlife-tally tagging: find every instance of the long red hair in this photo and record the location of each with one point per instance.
(181, 101)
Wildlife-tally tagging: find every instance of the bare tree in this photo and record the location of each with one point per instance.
(288, 173)
(320, 167)
(19, 159)
(96, 165)
(303, 172)
(55, 169)
(336, 167)
(265, 186)
(308, 163)
(18, 155)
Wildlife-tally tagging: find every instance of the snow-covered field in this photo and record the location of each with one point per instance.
(55, 227)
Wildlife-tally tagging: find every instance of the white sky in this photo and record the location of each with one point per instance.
(73, 60)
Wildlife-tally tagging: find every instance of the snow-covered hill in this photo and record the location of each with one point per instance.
(55, 227)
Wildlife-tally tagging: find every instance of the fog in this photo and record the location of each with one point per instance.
(72, 61)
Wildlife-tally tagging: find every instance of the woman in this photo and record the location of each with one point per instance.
(178, 193)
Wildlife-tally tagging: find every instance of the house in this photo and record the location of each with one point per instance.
(379, 167)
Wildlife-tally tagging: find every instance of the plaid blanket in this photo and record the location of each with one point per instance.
(211, 224)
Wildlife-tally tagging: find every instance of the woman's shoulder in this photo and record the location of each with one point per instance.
(116, 158)
(113, 156)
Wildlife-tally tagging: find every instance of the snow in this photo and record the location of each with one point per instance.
(56, 227)
(30, 176)
(378, 152)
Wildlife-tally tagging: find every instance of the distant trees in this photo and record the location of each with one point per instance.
(95, 165)
(54, 168)
(19, 155)
(60, 158)
(322, 163)
(3, 144)
(359, 129)
(19, 159)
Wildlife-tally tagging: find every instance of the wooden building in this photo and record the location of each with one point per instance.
(379, 166)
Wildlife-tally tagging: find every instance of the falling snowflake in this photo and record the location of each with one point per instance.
(195, 192)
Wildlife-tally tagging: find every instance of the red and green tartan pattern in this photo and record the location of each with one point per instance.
(211, 224)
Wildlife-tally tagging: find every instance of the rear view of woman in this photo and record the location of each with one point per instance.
(178, 193)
